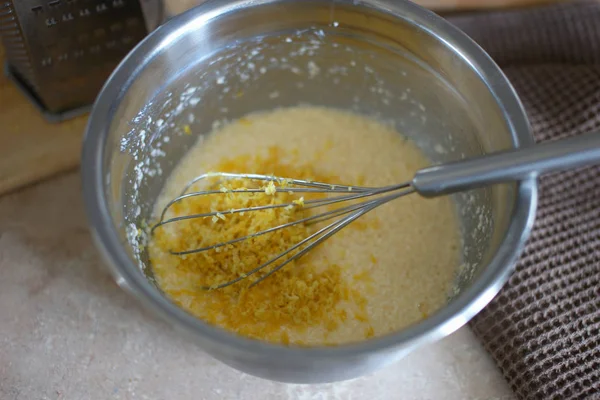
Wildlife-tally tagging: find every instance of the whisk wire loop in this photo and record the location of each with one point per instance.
(346, 214)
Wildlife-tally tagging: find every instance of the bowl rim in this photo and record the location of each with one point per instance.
(445, 321)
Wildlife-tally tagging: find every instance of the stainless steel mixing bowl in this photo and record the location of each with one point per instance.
(388, 59)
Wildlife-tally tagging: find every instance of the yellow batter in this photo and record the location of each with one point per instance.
(389, 269)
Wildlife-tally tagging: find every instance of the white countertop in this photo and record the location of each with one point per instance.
(68, 332)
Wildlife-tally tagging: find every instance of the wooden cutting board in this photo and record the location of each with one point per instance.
(32, 149)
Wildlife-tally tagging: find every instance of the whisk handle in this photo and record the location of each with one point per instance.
(507, 166)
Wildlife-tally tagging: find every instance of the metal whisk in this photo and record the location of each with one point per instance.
(500, 167)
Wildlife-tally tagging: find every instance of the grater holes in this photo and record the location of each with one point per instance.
(95, 49)
(46, 62)
(111, 44)
(78, 54)
(67, 17)
(84, 12)
(118, 3)
(83, 38)
(63, 57)
(100, 8)
(54, 3)
(127, 40)
(37, 10)
(51, 21)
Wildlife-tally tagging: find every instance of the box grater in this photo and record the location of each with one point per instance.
(60, 52)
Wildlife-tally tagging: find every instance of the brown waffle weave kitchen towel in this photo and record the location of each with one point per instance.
(543, 329)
